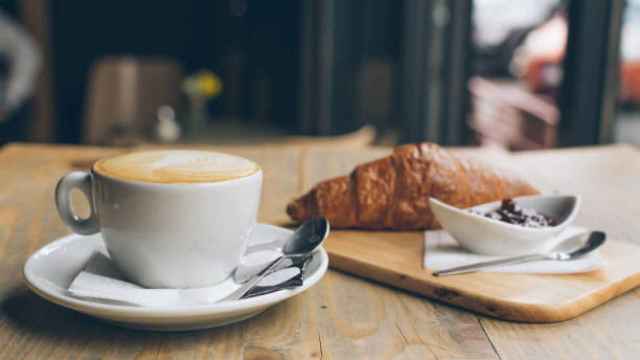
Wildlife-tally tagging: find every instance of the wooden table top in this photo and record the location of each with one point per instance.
(343, 317)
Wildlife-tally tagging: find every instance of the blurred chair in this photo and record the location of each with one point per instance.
(124, 95)
(506, 114)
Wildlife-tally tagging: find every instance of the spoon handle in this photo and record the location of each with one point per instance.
(481, 265)
(238, 294)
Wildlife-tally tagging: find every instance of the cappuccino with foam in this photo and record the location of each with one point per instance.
(176, 166)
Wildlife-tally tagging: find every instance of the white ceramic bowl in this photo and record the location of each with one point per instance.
(482, 235)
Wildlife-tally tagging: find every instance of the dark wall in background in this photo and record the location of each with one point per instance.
(14, 125)
(9, 7)
(254, 50)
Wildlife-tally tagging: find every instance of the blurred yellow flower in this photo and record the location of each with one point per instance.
(203, 83)
(209, 83)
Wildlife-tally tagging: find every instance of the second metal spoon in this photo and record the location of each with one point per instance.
(596, 239)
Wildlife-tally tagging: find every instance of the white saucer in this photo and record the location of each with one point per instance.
(51, 269)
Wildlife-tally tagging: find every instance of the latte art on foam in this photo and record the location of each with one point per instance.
(176, 166)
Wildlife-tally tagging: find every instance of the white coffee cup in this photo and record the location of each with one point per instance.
(165, 235)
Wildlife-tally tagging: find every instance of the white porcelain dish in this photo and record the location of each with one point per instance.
(51, 269)
(482, 235)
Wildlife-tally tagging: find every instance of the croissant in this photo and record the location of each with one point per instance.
(393, 192)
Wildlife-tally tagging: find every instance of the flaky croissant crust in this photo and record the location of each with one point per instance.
(393, 192)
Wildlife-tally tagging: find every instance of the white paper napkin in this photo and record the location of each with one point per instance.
(442, 252)
(101, 281)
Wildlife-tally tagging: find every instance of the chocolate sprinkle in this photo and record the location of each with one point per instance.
(512, 213)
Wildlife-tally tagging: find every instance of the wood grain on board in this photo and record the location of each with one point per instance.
(396, 259)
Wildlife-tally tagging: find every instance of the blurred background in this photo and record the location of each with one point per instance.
(523, 75)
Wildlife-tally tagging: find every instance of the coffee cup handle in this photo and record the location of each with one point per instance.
(82, 181)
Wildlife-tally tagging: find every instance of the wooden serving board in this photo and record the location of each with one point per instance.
(395, 259)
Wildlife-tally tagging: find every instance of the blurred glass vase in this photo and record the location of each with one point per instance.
(199, 88)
